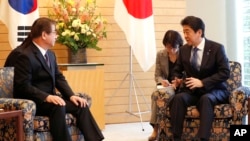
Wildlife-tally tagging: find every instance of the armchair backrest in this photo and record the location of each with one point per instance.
(234, 80)
(6, 82)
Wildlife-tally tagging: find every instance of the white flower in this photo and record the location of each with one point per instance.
(76, 23)
(72, 33)
(81, 9)
(76, 37)
(88, 33)
(83, 30)
(66, 32)
(73, 9)
(86, 27)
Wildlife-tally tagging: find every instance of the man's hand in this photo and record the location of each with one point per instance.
(176, 82)
(193, 83)
(55, 100)
(78, 101)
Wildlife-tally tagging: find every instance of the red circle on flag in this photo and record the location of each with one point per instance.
(140, 9)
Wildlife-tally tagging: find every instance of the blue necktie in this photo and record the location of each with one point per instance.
(47, 59)
(194, 58)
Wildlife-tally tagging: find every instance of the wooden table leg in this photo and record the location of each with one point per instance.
(19, 127)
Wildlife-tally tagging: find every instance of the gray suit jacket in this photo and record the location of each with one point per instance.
(161, 66)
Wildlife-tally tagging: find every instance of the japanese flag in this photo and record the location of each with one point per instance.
(18, 16)
(135, 17)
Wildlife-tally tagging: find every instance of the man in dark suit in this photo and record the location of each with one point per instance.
(37, 79)
(206, 74)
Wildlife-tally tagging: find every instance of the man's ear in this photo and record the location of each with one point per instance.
(199, 31)
(44, 35)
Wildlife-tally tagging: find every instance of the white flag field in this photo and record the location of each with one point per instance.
(18, 16)
(135, 17)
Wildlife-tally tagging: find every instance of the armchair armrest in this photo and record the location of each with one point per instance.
(239, 101)
(29, 109)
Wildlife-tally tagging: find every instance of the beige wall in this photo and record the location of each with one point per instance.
(115, 56)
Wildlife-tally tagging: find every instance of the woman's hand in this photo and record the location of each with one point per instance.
(165, 83)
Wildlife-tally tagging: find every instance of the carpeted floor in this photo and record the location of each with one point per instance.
(127, 132)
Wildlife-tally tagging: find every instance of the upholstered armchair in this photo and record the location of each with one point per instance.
(233, 113)
(36, 128)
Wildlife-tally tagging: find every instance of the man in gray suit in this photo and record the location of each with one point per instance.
(206, 73)
(37, 79)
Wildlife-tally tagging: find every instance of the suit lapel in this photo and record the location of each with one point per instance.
(43, 62)
(51, 70)
(41, 58)
(206, 54)
(51, 61)
(188, 54)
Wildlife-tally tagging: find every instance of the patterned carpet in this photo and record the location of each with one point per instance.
(127, 131)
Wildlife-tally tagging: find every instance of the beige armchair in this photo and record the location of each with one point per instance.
(233, 113)
(36, 128)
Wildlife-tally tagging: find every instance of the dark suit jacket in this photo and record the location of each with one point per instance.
(33, 78)
(214, 69)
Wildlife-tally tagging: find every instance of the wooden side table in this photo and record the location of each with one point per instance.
(90, 82)
(19, 123)
(88, 78)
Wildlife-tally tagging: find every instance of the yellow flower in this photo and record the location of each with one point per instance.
(89, 1)
(71, 2)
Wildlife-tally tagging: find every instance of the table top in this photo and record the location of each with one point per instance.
(80, 64)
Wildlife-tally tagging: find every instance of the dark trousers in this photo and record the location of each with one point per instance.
(178, 109)
(58, 128)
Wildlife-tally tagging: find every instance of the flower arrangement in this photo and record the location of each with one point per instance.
(77, 25)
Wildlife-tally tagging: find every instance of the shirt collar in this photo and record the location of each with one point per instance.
(43, 51)
(202, 44)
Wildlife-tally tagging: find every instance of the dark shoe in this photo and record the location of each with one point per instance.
(202, 139)
(177, 139)
(151, 138)
(154, 134)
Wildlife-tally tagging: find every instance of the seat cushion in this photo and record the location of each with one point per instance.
(189, 133)
(41, 123)
(220, 130)
(220, 111)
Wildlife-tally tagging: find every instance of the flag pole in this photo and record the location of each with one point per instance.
(132, 88)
